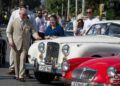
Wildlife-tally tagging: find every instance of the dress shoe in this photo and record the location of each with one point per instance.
(11, 72)
(17, 78)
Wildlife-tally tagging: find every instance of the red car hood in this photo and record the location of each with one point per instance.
(101, 63)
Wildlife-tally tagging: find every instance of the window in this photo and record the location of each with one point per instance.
(97, 29)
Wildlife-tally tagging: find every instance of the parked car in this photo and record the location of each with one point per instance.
(47, 55)
(109, 27)
(98, 72)
(69, 66)
(3, 47)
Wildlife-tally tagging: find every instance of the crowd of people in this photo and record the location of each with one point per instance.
(82, 23)
(24, 26)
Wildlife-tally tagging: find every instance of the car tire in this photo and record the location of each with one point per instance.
(43, 77)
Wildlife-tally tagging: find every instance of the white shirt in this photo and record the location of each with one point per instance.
(88, 23)
(40, 23)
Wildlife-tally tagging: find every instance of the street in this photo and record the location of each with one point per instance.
(8, 80)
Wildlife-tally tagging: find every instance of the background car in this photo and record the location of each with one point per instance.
(97, 72)
(109, 27)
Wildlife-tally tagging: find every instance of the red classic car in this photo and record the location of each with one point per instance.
(97, 72)
(69, 65)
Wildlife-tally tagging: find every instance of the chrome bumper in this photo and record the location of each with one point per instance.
(35, 67)
(29, 66)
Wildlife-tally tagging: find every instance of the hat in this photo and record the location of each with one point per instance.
(80, 16)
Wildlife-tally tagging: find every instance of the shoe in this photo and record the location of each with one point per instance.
(11, 72)
(17, 78)
(56, 78)
(22, 79)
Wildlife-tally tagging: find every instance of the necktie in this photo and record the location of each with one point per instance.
(22, 24)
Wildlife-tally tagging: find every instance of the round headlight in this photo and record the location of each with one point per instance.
(65, 50)
(111, 72)
(65, 66)
(41, 47)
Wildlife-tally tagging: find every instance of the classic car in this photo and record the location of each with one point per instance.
(3, 46)
(109, 27)
(46, 56)
(69, 65)
(97, 72)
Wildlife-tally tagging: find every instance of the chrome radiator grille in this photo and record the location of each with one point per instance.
(84, 74)
(52, 52)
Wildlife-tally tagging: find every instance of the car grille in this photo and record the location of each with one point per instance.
(84, 74)
(52, 53)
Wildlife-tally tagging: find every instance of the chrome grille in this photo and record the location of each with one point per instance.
(52, 52)
(84, 74)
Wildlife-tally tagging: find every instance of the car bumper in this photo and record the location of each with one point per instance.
(56, 71)
(65, 81)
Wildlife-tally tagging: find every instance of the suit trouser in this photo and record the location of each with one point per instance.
(11, 60)
(19, 62)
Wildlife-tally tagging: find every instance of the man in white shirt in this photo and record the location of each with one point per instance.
(90, 21)
(40, 23)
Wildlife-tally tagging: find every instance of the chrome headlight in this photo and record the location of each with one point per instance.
(65, 66)
(41, 47)
(111, 72)
(65, 50)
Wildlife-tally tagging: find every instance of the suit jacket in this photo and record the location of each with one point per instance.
(20, 34)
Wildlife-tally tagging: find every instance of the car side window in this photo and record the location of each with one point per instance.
(114, 29)
(69, 26)
(97, 29)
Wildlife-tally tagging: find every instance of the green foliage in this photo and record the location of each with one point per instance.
(53, 6)
(33, 3)
(110, 14)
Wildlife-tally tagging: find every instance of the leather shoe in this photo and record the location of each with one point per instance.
(17, 78)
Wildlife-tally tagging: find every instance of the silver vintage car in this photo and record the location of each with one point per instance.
(46, 56)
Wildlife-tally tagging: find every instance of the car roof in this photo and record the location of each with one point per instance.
(109, 21)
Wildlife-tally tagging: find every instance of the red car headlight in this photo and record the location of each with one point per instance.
(111, 72)
(65, 66)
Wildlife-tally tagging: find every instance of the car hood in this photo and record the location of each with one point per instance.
(101, 63)
(88, 39)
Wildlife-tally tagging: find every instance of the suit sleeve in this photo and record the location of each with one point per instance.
(10, 24)
(9, 31)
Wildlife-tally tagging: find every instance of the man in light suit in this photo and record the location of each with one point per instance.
(14, 15)
(19, 35)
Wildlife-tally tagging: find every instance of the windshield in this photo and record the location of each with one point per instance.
(104, 29)
(97, 29)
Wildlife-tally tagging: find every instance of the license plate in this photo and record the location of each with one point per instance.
(45, 68)
(79, 84)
